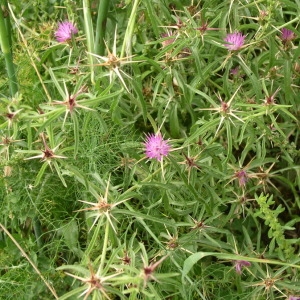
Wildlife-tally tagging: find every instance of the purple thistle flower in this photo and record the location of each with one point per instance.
(168, 41)
(239, 264)
(234, 71)
(234, 41)
(242, 177)
(287, 35)
(156, 147)
(65, 31)
(294, 298)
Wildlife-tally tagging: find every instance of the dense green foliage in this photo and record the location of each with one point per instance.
(85, 213)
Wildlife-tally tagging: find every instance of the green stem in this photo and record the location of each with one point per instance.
(6, 49)
(126, 47)
(89, 32)
(101, 27)
(37, 232)
(6, 19)
(104, 249)
(92, 243)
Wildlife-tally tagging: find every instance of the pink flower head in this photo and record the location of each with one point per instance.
(234, 41)
(168, 41)
(234, 71)
(156, 147)
(65, 31)
(287, 35)
(294, 297)
(239, 264)
(242, 177)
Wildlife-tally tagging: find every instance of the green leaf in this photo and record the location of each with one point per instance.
(194, 258)
(40, 174)
(70, 233)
